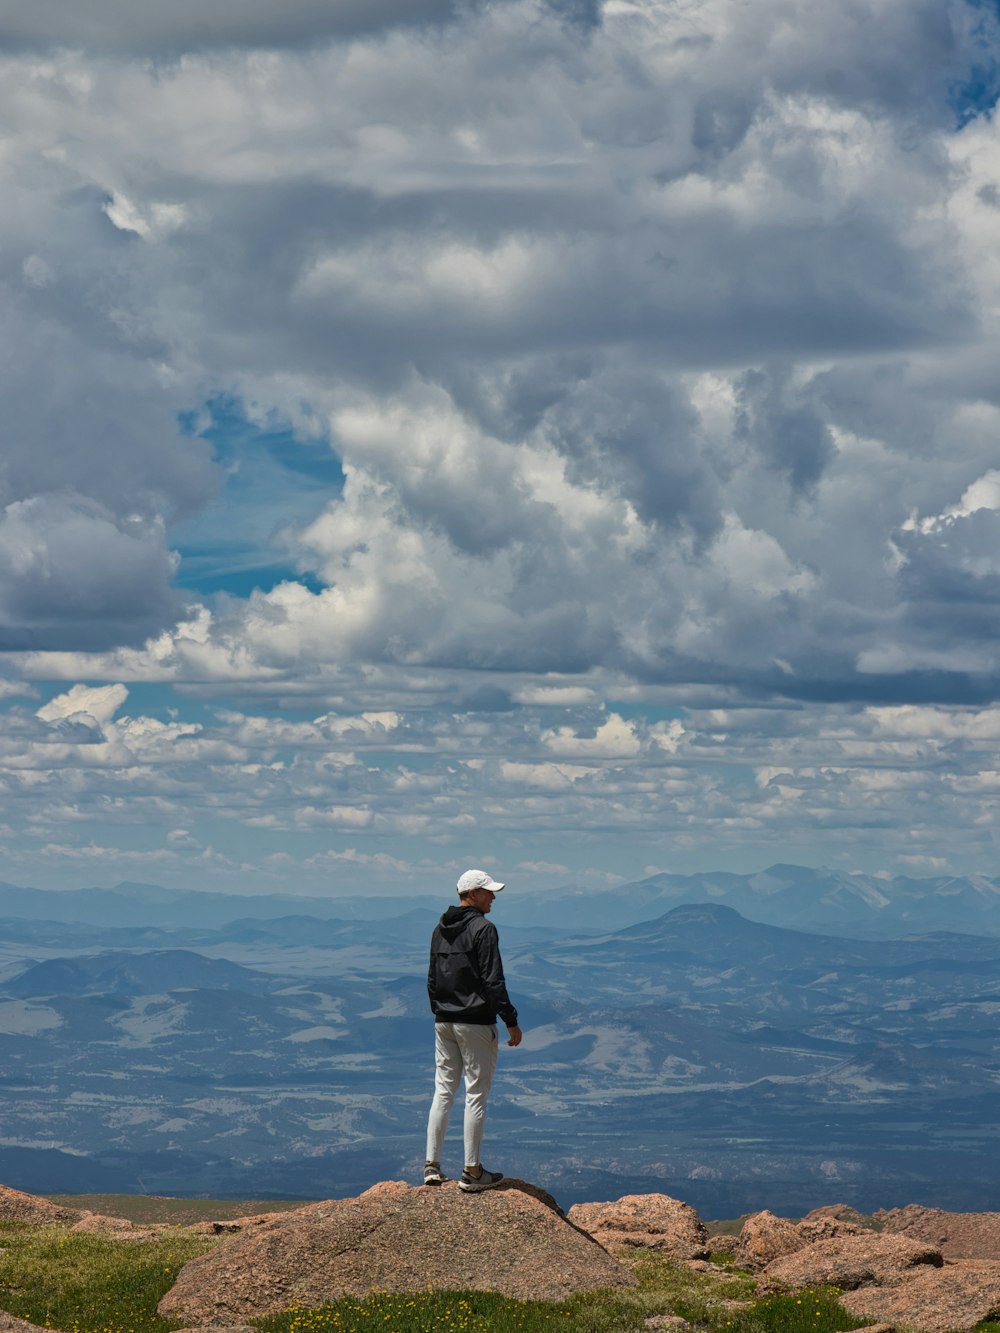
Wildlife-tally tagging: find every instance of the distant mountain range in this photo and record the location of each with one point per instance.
(728, 1061)
(821, 900)
(827, 901)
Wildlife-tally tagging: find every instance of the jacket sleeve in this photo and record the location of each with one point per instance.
(432, 978)
(491, 970)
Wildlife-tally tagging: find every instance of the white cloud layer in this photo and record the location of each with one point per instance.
(656, 344)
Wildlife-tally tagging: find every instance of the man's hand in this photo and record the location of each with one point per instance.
(514, 1036)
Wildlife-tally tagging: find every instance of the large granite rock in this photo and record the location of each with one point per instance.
(957, 1235)
(837, 1212)
(394, 1237)
(848, 1262)
(115, 1228)
(652, 1221)
(933, 1300)
(16, 1206)
(9, 1323)
(765, 1237)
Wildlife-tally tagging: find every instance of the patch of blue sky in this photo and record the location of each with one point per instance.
(157, 699)
(271, 479)
(979, 91)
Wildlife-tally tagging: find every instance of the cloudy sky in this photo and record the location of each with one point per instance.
(554, 435)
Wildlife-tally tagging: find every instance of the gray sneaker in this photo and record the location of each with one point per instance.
(432, 1173)
(484, 1181)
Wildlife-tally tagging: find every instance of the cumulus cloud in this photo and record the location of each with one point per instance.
(656, 345)
(168, 31)
(303, 810)
(100, 703)
(74, 575)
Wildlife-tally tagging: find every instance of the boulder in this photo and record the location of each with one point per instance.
(957, 1235)
(765, 1237)
(652, 1221)
(115, 1228)
(218, 1328)
(722, 1243)
(397, 1238)
(813, 1229)
(839, 1212)
(18, 1207)
(230, 1226)
(9, 1323)
(848, 1261)
(933, 1300)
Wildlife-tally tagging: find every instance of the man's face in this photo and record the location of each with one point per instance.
(481, 898)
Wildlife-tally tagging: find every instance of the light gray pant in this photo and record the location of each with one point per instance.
(469, 1048)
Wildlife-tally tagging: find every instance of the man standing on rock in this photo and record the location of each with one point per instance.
(467, 991)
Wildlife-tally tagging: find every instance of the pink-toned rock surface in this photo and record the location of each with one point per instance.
(10, 1323)
(395, 1237)
(839, 1212)
(16, 1206)
(957, 1235)
(723, 1243)
(231, 1226)
(653, 1221)
(115, 1228)
(934, 1300)
(765, 1237)
(218, 1328)
(813, 1229)
(849, 1261)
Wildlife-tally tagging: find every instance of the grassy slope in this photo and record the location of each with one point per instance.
(151, 1208)
(88, 1283)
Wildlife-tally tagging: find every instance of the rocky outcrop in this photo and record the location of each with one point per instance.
(18, 1207)
(824, 1227)
(837, 1212)
(651, 1221)
(10, 1323)
(231, 1226)
(115, 1228)
(957, 1235)
(218, 1328)
(764, 1238)
(395, 1237)
(848, 1262)
(956, 1297)
(722, 1243)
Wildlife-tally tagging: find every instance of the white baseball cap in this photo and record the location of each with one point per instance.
(478, 879)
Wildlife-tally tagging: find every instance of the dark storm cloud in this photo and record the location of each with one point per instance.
(93, 462)
(75, 577)
(792, 438)
(119, 26)
(611, 325)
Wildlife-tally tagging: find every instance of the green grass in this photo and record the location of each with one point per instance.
(811, 1310)
(86, 1283)
(430, 1312)
(152, 1208)
(664, 1288)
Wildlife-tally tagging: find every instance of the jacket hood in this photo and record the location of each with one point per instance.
(456, 919)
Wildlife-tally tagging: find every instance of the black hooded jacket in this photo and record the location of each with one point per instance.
(465, 981)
